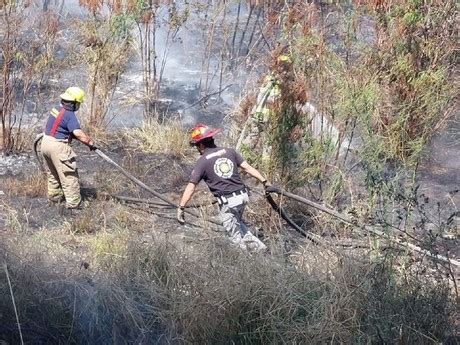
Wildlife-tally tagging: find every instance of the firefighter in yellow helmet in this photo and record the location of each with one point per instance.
(254, 135)
(61, 127)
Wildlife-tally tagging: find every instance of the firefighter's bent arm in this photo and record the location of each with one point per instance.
(253, 172)
(188, 192)
(83, 137)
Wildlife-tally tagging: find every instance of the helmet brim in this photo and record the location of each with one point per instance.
(68, 97)
(210, 134)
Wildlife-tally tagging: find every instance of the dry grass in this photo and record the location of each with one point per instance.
(109, 217)
(32, 186)
(98, 133)
(107, 248)
(159, 137)
(11, 219)
(142, 291)
(155, 292)
(110, 182)
(21, 139)
(85, 223)
(25, 139)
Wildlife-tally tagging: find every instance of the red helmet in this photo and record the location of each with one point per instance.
(200, 132)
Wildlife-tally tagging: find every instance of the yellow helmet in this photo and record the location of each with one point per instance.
(284, 58)
(73, 94)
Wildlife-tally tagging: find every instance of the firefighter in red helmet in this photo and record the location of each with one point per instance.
(218, 167)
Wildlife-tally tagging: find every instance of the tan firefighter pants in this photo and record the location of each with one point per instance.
(62, 171)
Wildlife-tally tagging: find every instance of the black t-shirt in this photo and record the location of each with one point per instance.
(218, 167)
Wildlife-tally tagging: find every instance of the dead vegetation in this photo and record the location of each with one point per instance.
(122, 275)
(155, 136)
(112, 273)
(156, 292)
(33, 186)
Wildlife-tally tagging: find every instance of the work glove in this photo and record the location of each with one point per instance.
(181, 215)
(93, 147)
(270, 189)
(266, 184)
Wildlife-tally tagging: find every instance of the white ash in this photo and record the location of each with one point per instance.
(16, 164)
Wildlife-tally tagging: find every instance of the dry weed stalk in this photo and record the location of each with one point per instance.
(14, 302)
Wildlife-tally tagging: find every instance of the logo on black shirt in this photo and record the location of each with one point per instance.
(223, 167)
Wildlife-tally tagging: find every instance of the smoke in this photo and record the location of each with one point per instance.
(189, 68)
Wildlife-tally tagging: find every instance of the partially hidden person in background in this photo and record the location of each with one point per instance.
(62, 126)
(218, 167)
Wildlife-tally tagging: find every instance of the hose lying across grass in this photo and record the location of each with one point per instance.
(364, 228)
(312, 237)
(147, 188)
(128, 175)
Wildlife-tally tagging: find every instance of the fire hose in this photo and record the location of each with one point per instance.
(147, 188)
(37, 141)
(363, 228)
(274, 190)
(128, 175)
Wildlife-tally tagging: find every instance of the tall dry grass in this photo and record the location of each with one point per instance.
(155, 136)
(157, 293)
(33, 185)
